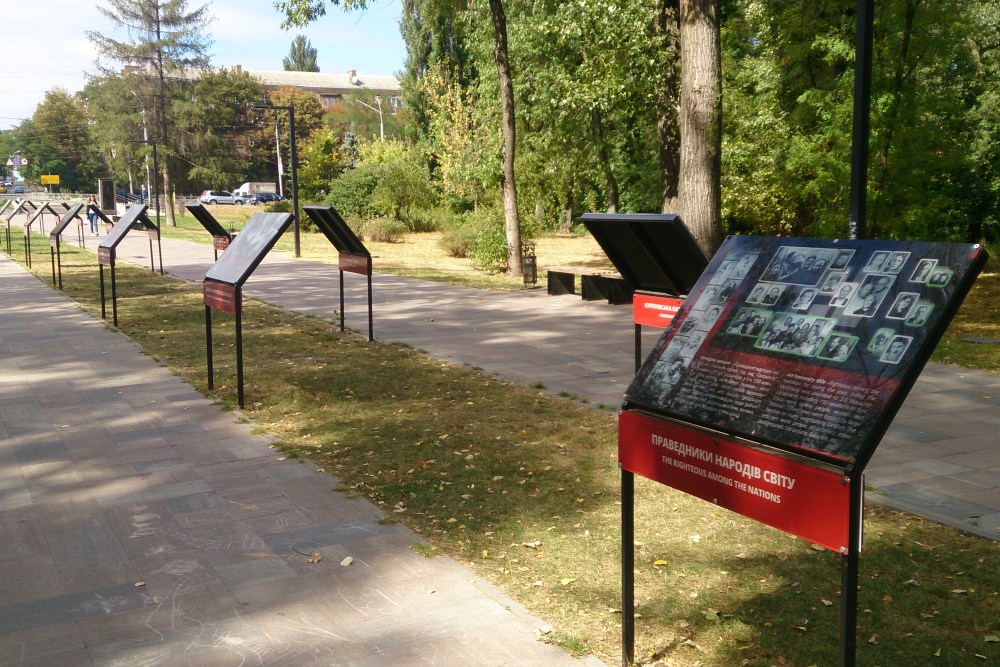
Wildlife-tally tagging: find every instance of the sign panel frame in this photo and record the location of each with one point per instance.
(848, 324)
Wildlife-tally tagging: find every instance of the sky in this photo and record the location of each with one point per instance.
(45, 45)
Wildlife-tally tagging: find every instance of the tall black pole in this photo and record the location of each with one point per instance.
(628, 568)
(156, 200)
(850, 563)
(295, 180)
(293, 154)
(857, 227)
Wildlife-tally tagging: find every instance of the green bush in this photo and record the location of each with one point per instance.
(457, 240)
(351, 193)
(383, 229)
(488, 246)
(432, 219)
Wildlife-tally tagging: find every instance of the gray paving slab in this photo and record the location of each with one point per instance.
(140, 524)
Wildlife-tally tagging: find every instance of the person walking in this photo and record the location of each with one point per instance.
(92, 213)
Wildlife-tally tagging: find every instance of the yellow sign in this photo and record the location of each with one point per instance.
(50, 179)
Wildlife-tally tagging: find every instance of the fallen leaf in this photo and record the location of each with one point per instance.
(937, 653)
(659, 563)
(347, 561)
(567, 581)
(315, 557)
(828, 603)
(873, 639)
(816, 547)
(991, 639)
(532, 545)
(143, 583)
(959, 591)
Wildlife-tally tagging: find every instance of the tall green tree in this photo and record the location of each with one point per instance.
(58, 141)
(301, 12)
(301, 56)
(162, 39)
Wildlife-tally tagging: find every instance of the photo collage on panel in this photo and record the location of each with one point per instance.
(816, 302)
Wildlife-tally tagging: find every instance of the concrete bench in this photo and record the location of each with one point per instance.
(595, 284)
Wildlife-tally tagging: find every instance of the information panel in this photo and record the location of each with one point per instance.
(809, 345)
(247, 250)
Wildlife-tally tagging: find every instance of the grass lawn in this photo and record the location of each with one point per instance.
(524, 491)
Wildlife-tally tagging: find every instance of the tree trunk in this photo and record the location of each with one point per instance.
(566, 222)
(667, 131)
(511, 217)
(161, 117)
(610, 183)
(701, 122)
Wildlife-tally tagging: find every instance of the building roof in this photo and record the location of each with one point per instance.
(321, 81)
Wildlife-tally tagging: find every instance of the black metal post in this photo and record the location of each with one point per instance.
(295, 180)
(293, 155)
(857, 227)
(114, 295)
(239, 346)
(849, 578)
(156, 199)
(27, 246)
(371, 325)
(628, 568)
(104, 311)
(208, 345)
(341, 299)
(638, 347)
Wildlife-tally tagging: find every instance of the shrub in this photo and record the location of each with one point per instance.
(457, 240)
(432, 219)
(351, 193)
(384, 230)
(489, 249)
(488, 246)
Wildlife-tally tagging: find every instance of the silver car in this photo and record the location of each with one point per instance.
(221, 197)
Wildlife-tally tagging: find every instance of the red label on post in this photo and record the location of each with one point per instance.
(220, 296)
(355, 263)
(105, 255)
(220, 242)
(653, 310)
(804, 500)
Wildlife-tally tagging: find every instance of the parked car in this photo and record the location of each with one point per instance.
(264, 197)
(220, 197)
(19, 189)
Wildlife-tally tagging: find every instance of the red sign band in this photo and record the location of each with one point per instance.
(653, 310)
(804, 500)
(220, 296)
(355, 263)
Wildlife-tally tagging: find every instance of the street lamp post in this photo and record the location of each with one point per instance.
(156, 192)
(294, 156)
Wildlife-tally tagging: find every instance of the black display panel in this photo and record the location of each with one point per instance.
(806, 344)
(134, 218)
(207, 220)
(336, 230)
(68, 217)
(652, 252)
(248, 248)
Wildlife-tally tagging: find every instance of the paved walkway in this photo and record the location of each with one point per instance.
(142, 525)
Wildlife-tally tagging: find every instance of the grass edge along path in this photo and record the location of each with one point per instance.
(523, 489)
